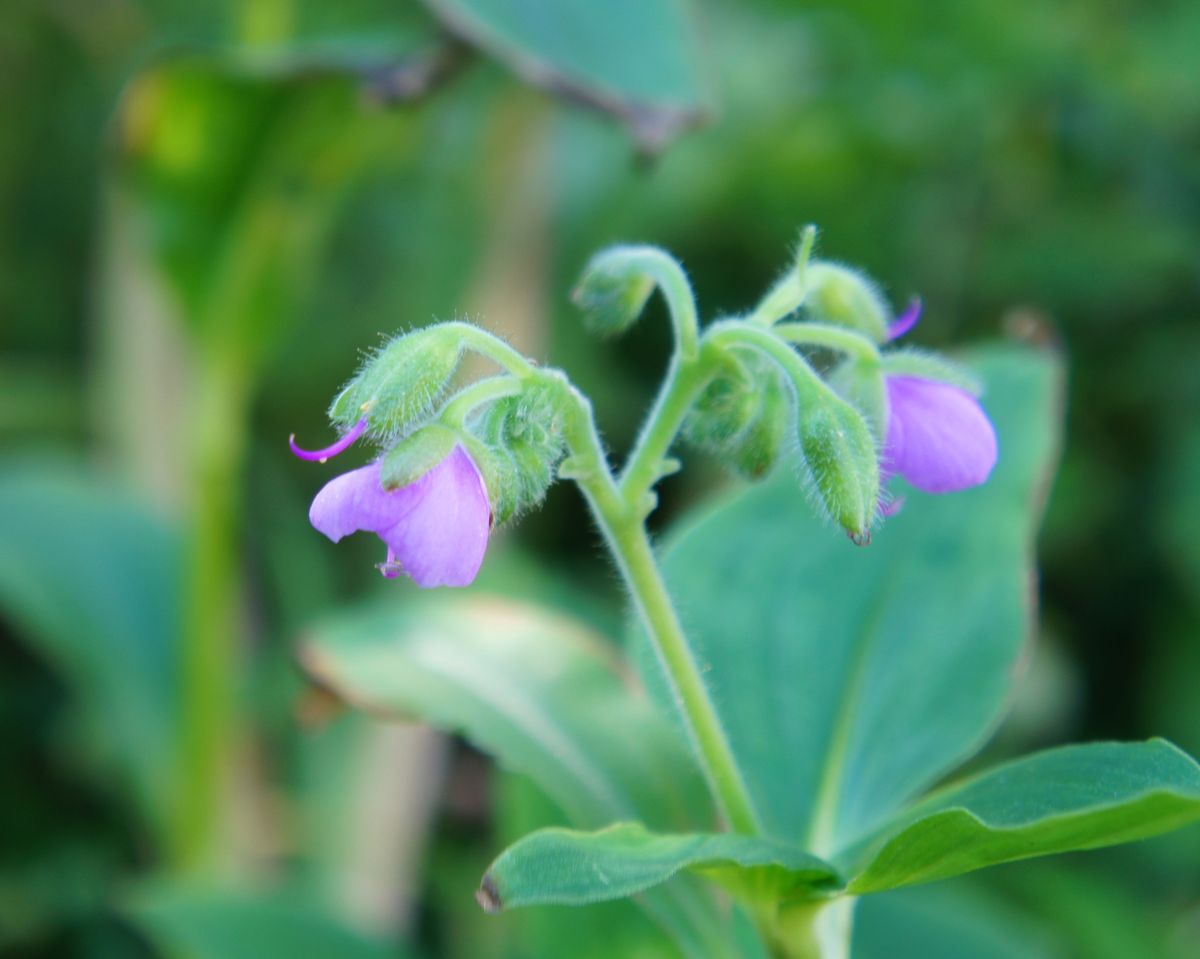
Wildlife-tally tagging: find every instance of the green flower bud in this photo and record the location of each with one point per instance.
(612, 291)
(523, 439)
(397, 387)
(860, 383)
(742, 416)
(416, 455)
(845, 297)
(839, 451)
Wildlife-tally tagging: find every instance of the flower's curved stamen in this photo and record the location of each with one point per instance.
(320, 456)
(905, 321)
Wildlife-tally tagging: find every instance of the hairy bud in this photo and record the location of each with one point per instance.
(742, 416)
(839, 451)
(612, 291)
(398, 386)
(845, 297)
(523, 439)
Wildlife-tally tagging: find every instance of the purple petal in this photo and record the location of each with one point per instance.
(356, 501)
(343, 444)
(905, 321)
(938, 436)
(442, 541)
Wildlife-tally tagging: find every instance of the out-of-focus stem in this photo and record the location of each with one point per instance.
(210, 627)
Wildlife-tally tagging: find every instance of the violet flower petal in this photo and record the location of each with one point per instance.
(442, 542)
(938, 436)
(356, 501)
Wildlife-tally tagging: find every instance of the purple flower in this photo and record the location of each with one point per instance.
(938, 436)
(435, 529)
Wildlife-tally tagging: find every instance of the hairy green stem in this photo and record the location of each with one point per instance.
(495, 349)
(832, 337)
(666, 272)
(461, 406)
(619, 515)
(789, 292)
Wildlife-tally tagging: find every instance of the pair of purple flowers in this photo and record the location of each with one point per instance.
(436, 529)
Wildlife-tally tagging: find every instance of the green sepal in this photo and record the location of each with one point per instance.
(839, 452)
(930, 366)
(397, 387)
(416, 455)
(612, 292)
(743, 415)
(845, 297)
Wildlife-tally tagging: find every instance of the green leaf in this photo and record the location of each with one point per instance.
(541, 693)
(849, 679)
(90, 578)
(634, 59)
(230, 170)
(575, 868)
(226, 923)
(946, 922)
(1074, 797)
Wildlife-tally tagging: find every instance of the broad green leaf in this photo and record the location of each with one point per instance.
(545, 697)
(635, 59)
(89, 577)
(539, 692)
(946, 922)
(234, 923)
(574, 868)
(1074, 797)
(848, 678)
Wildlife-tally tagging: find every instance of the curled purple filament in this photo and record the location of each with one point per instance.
(905, 321)
(343, 444)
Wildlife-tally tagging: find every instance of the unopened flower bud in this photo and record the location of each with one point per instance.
(398, 386)
(839, 452)
(612, 291)
(742, 416)
(523, 439)
(845, 297)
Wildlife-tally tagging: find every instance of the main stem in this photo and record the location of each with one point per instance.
(619, 512)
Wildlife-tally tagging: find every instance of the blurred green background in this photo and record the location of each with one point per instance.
(207, 211)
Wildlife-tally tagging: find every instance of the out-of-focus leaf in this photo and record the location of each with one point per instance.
(945, 922)
(232, 171)
(575, 868)
(541, 694)
(231, 923)
(848, 679)
(534, 689)
(635, 59)
(91, 578)
(1075, 797)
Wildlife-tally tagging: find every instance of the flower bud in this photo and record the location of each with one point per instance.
(845, 297)
(861, 384)
(612, 292)
(416, 455)
(742, 416)
(839, 452)
(398, 386)
(523, 440)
